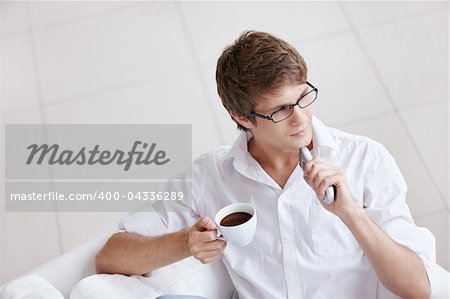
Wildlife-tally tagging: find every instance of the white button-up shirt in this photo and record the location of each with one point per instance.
(300, 250)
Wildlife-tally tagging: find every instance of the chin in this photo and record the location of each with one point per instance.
(297, 145)
(302, 142)
(308, 139)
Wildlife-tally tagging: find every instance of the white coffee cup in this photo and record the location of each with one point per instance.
(241, 234)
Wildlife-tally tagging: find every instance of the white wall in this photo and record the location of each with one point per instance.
(381, 68)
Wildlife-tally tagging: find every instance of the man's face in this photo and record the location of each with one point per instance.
(291, 133)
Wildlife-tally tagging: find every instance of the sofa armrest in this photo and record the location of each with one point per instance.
(65, 271)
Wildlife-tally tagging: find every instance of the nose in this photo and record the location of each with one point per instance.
(299, 115)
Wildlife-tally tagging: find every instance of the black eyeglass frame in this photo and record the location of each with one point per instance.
(270, 117)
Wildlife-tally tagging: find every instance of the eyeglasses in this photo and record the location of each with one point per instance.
(284, 112)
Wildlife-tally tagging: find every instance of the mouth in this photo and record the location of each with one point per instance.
(299, 133)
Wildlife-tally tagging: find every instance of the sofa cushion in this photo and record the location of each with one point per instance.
(27, 287)
(186, 277)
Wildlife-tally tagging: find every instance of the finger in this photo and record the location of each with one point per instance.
(315, 168)
(308, 165)
(197, 237)
(205, 224)
(213, 245)
(317, 165)
(319, 176)
(332, 180)
(312, 175)
(200, 249)
(212, 254)
(207, 236)
(210, 260)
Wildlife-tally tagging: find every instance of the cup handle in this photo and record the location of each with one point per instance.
(219, 236)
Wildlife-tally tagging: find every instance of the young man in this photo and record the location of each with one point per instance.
(303, 248)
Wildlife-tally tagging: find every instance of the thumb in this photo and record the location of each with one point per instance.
(205, 224)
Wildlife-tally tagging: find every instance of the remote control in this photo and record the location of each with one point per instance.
(306, 154)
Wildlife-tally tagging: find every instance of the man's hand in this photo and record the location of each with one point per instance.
(320, 176)
(202, 241)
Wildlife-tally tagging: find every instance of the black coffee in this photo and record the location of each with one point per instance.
(235, 219)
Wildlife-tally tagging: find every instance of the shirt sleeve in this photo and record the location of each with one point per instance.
(165, 216)
(385, 200)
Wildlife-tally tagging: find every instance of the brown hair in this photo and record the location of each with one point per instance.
(256, 64)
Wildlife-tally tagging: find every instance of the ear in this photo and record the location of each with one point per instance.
(242, 120)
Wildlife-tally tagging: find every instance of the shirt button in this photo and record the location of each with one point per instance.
(285, 237)
(291, 274)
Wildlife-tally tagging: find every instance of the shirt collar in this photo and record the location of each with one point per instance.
(239, 152)
(324, 143)
(324, 146)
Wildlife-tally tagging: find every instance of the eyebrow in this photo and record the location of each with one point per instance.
(274, 109)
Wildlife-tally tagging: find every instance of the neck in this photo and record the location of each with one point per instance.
(273, 158)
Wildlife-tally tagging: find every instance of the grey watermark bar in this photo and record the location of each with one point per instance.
(96, 167)
(95, 196)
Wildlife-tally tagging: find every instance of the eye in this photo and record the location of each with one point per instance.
(286, 108)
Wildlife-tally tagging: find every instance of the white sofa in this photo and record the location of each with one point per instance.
(65, 271)
(188, 276)
(212, 281)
